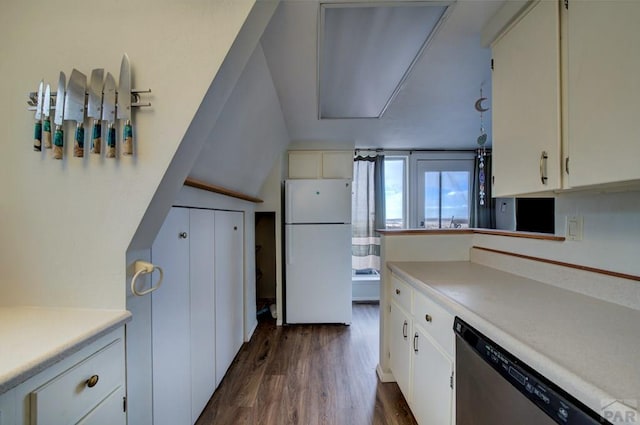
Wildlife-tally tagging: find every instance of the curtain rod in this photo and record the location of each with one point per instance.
(381, 150)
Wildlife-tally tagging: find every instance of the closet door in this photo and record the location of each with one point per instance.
(201, 246)
(229, 288)
(170, 323)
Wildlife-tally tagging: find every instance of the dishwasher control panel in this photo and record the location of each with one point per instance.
(555, 402)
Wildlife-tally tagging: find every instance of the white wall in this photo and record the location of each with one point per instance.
(611, 234)
(66, 224)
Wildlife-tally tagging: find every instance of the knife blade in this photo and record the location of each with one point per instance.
(58, 136)
(46, 122)
(94, 109)
(74, 108)
(124, 105)
(37, 131)
(109, 113)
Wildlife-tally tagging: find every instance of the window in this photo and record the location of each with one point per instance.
(443, 187)
(395, 192)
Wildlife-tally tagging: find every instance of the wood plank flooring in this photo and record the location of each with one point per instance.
(309, 375)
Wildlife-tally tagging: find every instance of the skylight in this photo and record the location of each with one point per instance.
(366, 51)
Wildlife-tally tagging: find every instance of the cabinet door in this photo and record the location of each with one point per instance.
(305, 165)
(399, 347)
(202, 309)
(337, 165)
(604, 91)
(431, 381)
(526, 104)
(170, 322)
(229, 288)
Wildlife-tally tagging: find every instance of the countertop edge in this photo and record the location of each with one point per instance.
(11, 380)
(583, 390)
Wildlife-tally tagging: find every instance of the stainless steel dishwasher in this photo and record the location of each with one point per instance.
(493, 388)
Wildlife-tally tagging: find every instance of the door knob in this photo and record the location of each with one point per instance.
(183, 235)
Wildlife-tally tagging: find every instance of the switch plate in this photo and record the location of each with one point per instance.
(574, 227)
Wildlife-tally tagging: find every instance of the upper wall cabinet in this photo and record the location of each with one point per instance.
(597, 65)
(526, 103)
(320, 164)
(603, 72)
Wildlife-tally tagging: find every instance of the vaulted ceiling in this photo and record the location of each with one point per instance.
(434, 109)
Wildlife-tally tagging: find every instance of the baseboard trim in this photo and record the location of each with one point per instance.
(384, 376)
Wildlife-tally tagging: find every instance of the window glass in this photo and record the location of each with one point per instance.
(394, 192)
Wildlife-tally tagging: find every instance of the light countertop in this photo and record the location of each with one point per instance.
(34, 338)
(588, 347)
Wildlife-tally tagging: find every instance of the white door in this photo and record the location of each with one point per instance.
(318, 201)
(318, 273)
(432, 392)
(399, 346)
(170, 323)
(202, 309)
(229, 288)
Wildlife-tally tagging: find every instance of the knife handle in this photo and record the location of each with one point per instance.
(96, 137)
(78, 145)
(111, 141)
(37, 136)
(127, 138)
(46, 133)
(58, 142)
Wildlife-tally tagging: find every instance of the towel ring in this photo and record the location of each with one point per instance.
(142, 267)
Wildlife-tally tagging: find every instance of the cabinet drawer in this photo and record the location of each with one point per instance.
(435, 320)
(68, 398)
(401, 293)
(110, 411)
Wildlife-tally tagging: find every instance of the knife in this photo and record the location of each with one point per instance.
(58, 136)
(46, 122)
(74, 108)
(94, 108)
(109, 113)
(37, 132)
(124, 105)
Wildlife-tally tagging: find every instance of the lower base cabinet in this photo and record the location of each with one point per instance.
(421, 347)
(87, 387)
(432, 384)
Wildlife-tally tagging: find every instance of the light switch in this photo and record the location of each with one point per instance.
(574, 228)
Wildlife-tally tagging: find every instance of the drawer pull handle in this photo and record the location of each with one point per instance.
(397, 292)
(415, 343)
(428, 318)
(91, 382)
(404, 329)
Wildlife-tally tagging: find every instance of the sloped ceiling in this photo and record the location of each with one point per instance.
(433, 110)
(249, 135)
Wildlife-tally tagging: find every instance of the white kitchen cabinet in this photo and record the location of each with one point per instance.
(421, 346)
(432, 385)
(201, 252)
(229, 277)
(400, 348)
(320, 164)
(526, 104)
(603, 92)
(87, 387)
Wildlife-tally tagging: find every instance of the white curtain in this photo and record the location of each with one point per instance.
(367, 211)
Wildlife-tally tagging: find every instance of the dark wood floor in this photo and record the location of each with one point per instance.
(311, 375)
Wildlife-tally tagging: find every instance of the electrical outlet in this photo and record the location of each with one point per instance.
(574, 227)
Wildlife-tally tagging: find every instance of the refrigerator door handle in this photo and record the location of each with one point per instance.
(289, 243)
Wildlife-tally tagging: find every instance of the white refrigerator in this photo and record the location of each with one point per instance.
(318, 251)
